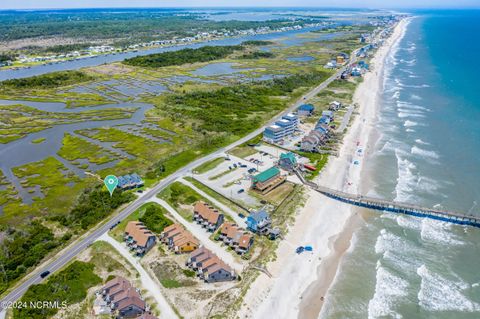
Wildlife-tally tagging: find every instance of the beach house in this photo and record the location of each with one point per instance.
(334, 106)
(313, 141)
(287, 161)
(259, 222)
(207, 216)
(130, 181)
(123, 298)
(209, 267)
(138, 237)
(267, 180)
(235, 237)
(178, 239)
(328, 114)
(306, 110)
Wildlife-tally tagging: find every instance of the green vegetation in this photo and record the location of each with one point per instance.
(49, 80)
(207, 166)
(203, 54)
(258, 55)
(23, 249)
(74, 148)
(154, 218)
(241, 108)
(257, 42)
(171, 275)
(317, 160)
(93, 206)
(125, 26)
(19, 120)
(39, 140)
(178, 194)
(69, 286)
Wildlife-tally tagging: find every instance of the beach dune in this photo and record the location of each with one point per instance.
(300, 283)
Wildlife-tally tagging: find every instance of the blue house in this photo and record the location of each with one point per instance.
(259, 222)
(130, 181)
(324, 120)
(306, 110)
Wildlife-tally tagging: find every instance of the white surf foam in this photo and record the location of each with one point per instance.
(440, 294)
(421, 142)
(389, 289)
(424, 153)
(435, 231)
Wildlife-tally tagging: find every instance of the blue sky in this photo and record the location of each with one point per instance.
(28, 4)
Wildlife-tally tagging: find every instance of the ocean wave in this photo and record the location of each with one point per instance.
(389, 289)
(421, 142)
(424, 153)
(408, 123)
(409, 222)
(396, 94)
(410, 114)
(440, 294)
(415, 97)
(435, 231)
(407, 180)
(388, 241)
(409, 130)
(411, 106)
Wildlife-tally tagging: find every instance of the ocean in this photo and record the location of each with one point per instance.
(427, 152)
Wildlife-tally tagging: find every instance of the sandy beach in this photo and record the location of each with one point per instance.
(299, 283)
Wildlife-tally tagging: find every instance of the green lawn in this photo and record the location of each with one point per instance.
(207, 166)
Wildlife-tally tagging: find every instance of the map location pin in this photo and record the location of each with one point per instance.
(111, 181)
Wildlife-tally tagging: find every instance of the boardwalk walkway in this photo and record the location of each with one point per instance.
(394, 207)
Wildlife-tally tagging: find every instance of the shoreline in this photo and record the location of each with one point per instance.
(367, 93)
(328, 227)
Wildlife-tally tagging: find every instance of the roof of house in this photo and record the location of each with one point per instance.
(290, 156)
(185, 238)
(266, 175)
(115, 281)
(244, 241)
(171, 229)
(224, 229)
(306, 107)
(207, 212)
(210, 262)
(259, 215)
(134, 299)
(139, 232)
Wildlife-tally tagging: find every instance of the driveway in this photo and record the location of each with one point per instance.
(202, 235)
(148, 283)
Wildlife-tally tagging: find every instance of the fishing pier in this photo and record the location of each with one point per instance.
(394, 207)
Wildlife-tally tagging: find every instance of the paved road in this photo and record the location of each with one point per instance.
(147, 282)
(74, 249)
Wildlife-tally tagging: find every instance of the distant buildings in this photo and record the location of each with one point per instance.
(334, 106)
(123, 298)
(267, 180)
(320, 134)
(306, 110)
(235, 237)
(282, 128)
(209, 267)
(207, 216)
(178, 239)
(130, 181)
(138, 237)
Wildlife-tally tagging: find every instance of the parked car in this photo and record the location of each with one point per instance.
(240, 191)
